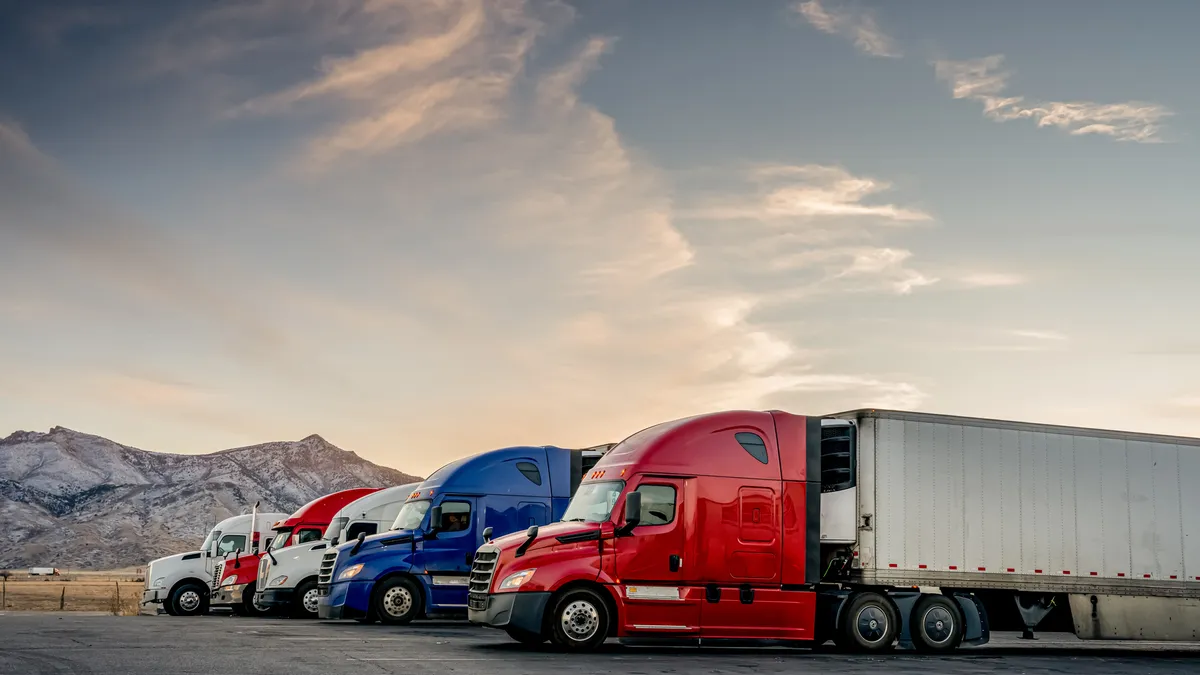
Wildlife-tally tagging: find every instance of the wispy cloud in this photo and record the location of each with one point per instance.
(991, 279)
(810, 191)
(1039, 335)
(856, 25)
(986, 81)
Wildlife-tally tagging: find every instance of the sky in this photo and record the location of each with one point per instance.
(428, 229)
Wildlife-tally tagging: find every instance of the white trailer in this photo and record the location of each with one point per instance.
(287, 577)
(43, 572)
(1103, 524)
(180, 582)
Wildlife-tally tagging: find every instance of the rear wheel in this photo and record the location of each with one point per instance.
(870, 624)
(936, 624)
(579, 621)
(397, 601)
(304, 603)
(188, 599)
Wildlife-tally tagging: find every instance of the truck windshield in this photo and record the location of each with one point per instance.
(282, 537)
(335, 527)
(593, 502)
(411, 515)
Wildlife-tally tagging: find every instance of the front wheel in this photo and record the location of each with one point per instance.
(579, 621)
(397, 601)
(304, 606)
(187, 600)
(250, 603)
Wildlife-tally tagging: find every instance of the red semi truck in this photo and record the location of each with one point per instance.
(235, 579)
(868, 528)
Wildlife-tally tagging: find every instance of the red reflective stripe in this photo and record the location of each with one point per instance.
(1092, 573)
(1173, 576)
(1037, 571)
(1011, 570)
(923, 566)
(1146, 576)
(891, 564)
(1120, 574)
(954, 567)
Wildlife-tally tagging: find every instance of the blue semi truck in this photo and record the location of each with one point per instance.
(420, 567)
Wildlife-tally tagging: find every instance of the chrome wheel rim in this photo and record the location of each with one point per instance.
(397, 601)
(310, 601)
(189, 601)
(580, 620)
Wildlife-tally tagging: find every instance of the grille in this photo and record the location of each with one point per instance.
(217, 569)
(325, 572)
(264, 568)
(480, 582)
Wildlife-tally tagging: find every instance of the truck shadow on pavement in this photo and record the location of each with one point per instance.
(830, 654)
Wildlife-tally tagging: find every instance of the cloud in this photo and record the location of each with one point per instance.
(1039, 335)
(859, 26)
(991, 279)
(810, 191)
(984, 80)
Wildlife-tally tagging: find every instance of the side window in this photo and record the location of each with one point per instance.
(837, 458)
(352, 533)
(658, 504)
(267, 545)
(753, 444)
(456, 516)
(230, 543)
(530, 471)
(306, 535)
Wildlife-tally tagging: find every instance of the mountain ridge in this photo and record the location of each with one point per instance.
(80, 500)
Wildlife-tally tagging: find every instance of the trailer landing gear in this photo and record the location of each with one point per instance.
(1033, 610)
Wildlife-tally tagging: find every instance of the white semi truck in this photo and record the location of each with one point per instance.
(287, 577)
(1101, 527)
(180, 582)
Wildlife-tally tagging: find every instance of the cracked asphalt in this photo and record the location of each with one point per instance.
(37, 643)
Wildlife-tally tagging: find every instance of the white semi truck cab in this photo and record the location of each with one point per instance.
(287, 577)
(180, 582)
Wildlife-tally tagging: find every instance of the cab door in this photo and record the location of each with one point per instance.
(446, 558)
(653, 564)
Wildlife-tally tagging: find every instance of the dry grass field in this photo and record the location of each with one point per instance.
(115, 592)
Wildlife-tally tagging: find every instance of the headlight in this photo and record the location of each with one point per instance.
(350, 571)
(515, 579)
(279, 580)
(160, 582)
(229, 581)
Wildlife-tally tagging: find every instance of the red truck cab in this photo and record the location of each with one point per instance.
(706, 527)
(235, 578)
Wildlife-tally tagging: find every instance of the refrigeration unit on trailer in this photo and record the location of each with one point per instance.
(180, 582)
(419, 568)
(867, 528)
(287, 577)
(234, 578)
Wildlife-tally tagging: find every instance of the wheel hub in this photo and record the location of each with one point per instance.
(397, 601)
(872, 623)
(310, 601)
(939, 624)
(189, 601)
(580, 620)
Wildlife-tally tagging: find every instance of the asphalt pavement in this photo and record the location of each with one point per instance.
(39, 643)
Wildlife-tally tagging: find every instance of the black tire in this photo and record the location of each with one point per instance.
(249, 606)
(304, 603)
(579, 620)
(936, 624)
(869, 624)
(189, 599)
(397, 601)
(525, 637)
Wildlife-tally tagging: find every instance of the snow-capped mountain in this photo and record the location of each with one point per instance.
(74, 500)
